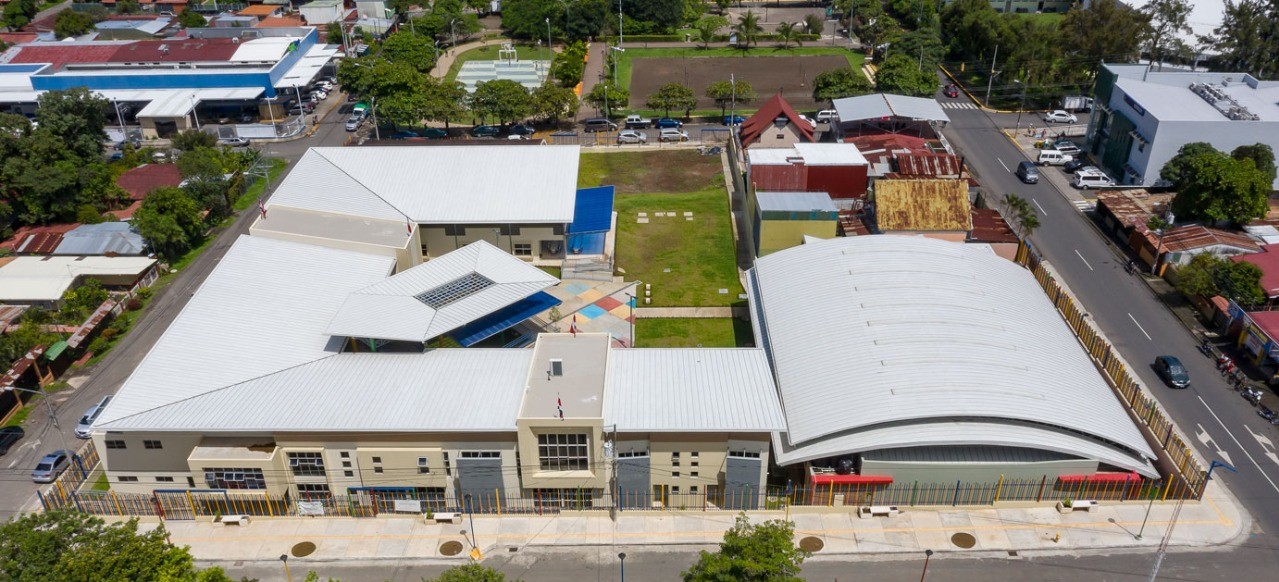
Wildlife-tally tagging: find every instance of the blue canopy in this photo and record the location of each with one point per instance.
(504, 318)
(592, 210)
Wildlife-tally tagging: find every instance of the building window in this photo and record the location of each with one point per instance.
(675, 459)
(164, 479)
(423, 465)
(693, 454)
(675, 474)
(344, 455)
(127, 479)
(448, 469)
(744, 454)
(692, 463)
(348, 473)
(693, 474)
(557, 367)
(632, 454)
(377, 459)
(481, 454)
(115, 444)
(563, 498)
(523, 249)
(152, 445)
(346, 464)
(563, 452)
(693, 490)
(674, 489)
(234, 478)
(313, 491)
(309, 464)
(377, 470)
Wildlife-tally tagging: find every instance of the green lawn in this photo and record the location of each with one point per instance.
(727, 332)
(686, 261)
(489, 53)
(258, 188)
(102, 484)
(624, 71)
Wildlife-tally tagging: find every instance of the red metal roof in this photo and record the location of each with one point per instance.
(60, 54)
(763, 119)
(1190, 237)
(127, 212)
(937, 165)
(12, 38)
(990, 227)
(141, 180)
(851, 480)
(868, 144)
(1101, 478)
(1268, 260)
(171, 50)
(22, 233)
(40, 243)
(279, 22)
(1268, 321)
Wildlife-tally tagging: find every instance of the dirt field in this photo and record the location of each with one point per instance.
(793, 76)
(653, 171)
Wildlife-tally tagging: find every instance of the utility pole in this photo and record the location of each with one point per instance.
(993, 72)
(1163, 543)
(619, 23)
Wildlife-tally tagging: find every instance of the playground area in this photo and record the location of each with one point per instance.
(509, 65)
(791, 75)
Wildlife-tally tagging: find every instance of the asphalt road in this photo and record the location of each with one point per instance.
(1219, 423)
(17, 492)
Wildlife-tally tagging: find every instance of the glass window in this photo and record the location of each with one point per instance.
(423, 465)
(563, 452)
(115, 444)
(234, 478)
(152, 445)
(313, 491)
(164, 479)
(523, 249)
(307, 464)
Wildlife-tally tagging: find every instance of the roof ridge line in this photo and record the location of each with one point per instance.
(357, 181)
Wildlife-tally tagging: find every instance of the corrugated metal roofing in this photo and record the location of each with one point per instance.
(963, 454)
(261, 310)
(100, 239)
(26, 279)
(922, 205)
(795, 201)
(437, 185)
(179, 102)
(39, 243)
(888, 105)
(1268, 261)
(808, 154)
(389, 309)
(691, 390)
(916, 331)
(440, 390)
(140, 181)
(1195, 236)
(765, 118)
(592, 210)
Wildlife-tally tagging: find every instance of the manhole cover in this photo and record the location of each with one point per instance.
(451, 548)
(302, 549)
(811, 544)
(963, 540)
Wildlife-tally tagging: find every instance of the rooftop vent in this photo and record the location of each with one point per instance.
(164, 49)
(1222, 102)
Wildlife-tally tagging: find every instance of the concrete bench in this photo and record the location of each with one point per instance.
(445, 517)
(869, 511)
(233, 519)
(1077, 505)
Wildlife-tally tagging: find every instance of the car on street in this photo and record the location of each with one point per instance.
(667, 123)
(598, 124)
(84, 429)
(1060, 116)
(486, 131)
(234, 142)
(520, 129)
(671, 134)
(631, 136)
(52, 465)
(434, 133)
(733, 119)
(1028, 172)
(1091, 177)
(403, 134)
(353, 122)
(10, 435)
(1170, 369)
(1067, 147)
(951, 91)
(1073, 165)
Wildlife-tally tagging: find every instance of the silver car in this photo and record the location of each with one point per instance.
(631, 136)
(85, 427)
(52, 465)
(353, 123)
(1060, 116)
(672, 134)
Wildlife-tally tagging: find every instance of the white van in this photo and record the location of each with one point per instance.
(1086, 178)
(1052, 158)
(827, 116)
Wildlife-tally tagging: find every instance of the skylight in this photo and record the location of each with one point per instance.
(455, 290)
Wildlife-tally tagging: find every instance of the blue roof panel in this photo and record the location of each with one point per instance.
(593, 210)
(503, 319)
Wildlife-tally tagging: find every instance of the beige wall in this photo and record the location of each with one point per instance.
(405, 257)
(435, 243)
(778, 138)
(149, 466)
(274, 468)
(701, 459)
(776, 235)
(535, 478)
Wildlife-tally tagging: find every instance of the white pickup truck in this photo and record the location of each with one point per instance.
(637, 122)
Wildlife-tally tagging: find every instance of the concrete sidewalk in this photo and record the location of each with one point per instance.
(1213, 522)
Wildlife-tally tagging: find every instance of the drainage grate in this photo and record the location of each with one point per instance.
(302, 549)
(1013, 553)
(512, 549)
(963, 540)
(450, 548)
(811, 544)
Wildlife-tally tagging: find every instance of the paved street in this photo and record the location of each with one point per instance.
(17, 492)
(1220, 424)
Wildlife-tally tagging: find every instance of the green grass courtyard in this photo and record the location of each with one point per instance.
(724, 332)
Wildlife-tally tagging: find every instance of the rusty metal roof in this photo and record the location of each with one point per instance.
(1133, 207)
(922, 205)
(990, 227)
(1186, 238)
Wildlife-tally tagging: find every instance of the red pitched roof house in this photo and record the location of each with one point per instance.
(141, 180)
(1268, 261)
(776, 124)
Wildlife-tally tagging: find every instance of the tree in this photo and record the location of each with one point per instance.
(1108, 30)
(192, 139)
(1214, 186)
(333, 33)
(35, 547)
(707, 28)
(192, 19)
(1240, 281)
(128, 7)
(916, 44)
(747, 29)
(1167, 20)
(79, 303)
(552, 102)
(786, 32)
(1198, 279)
(504, 99)
(672, 96)
(1261, 155)
(726, 93)
(1174, 169)
(169, 221)
(18, 13)
(13, 345)
(444, 101)
(900, 73)
(973, 29)
(568, 64)
(1023, 217)
(413, 49)
(606, 97)
(1246, 39)
(840, 83)
(72, 23)
(723, 5)
(76, 117)
(752, 553)
(470, 573)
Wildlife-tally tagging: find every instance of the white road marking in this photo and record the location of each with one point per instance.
(30, 444)
(1206, 439)
(1265, 443)
(1232, 437)
(1001, 162)
(1081, 257)
(1143, 330)
(1041, 209)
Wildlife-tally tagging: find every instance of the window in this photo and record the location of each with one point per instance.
(423, 465)
(744, 454)
(557, 367)
(481, 454)
(675, 474)
(523, 249)
(377, 459)
(692, 464)
(693, 454)
(693, 490)
(675, 490)
(632, 454)
(448, 469)
(693, 474)
(234, 478)
(348, 473)
(455, 290)
(164, 479)
(345, 455)
(308, 464)
(563, 452)
(115, 444)
(127, 479)
(346, 464)
(152, 445)
(377, 470)
(675, 459)
(313, 491)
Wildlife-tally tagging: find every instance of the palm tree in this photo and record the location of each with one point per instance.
(706, 29)
(786, 32)
(747, 29)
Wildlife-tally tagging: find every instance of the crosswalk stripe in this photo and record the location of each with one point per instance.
(1085, 205)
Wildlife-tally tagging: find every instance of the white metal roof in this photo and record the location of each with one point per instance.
(913, 331)
(262, 309)
(810, 154)
(267, 49)
(691, 390)
(880, 105)
(179, 102)
(25, 279)
(389, 309)
(439, 390)
(795, 201)
(307, 67)
(437, 185)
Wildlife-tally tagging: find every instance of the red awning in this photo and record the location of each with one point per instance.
(851, 480)
(1101, 478)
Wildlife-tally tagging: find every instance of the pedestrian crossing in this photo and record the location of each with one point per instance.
(958, 105)
(1085, 205)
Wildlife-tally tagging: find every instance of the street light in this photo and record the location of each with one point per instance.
(549, 51)
(631, 302)
(284, 558)
(1023, 104)
(195, 115)
(927, 554)
(471, 515)
(453, 34)
(622, 556)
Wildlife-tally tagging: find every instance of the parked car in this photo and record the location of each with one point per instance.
(8, 436)
(827, 116)
(598, 124)
(235, 142)
(666, 123)
(950, 90)
(1170, 369)
(434, 133)
(304, 109)
(1028, 172)
(85, 428)
(631, 136)
(323, 85)
(403, 134)
(1052, 158)
(1086, 178)
(637, 122)
(733, 119)
(1073, 165)
(672, 134)
(808, 120)
(486, 131)
(1060, 116)
(52, 465)
(1067, 147)
(353, 122)
(317, 95)
(520, 129)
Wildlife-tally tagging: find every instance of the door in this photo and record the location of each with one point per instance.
(481, 478)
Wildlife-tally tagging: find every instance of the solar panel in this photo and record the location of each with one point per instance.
(455, 290)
